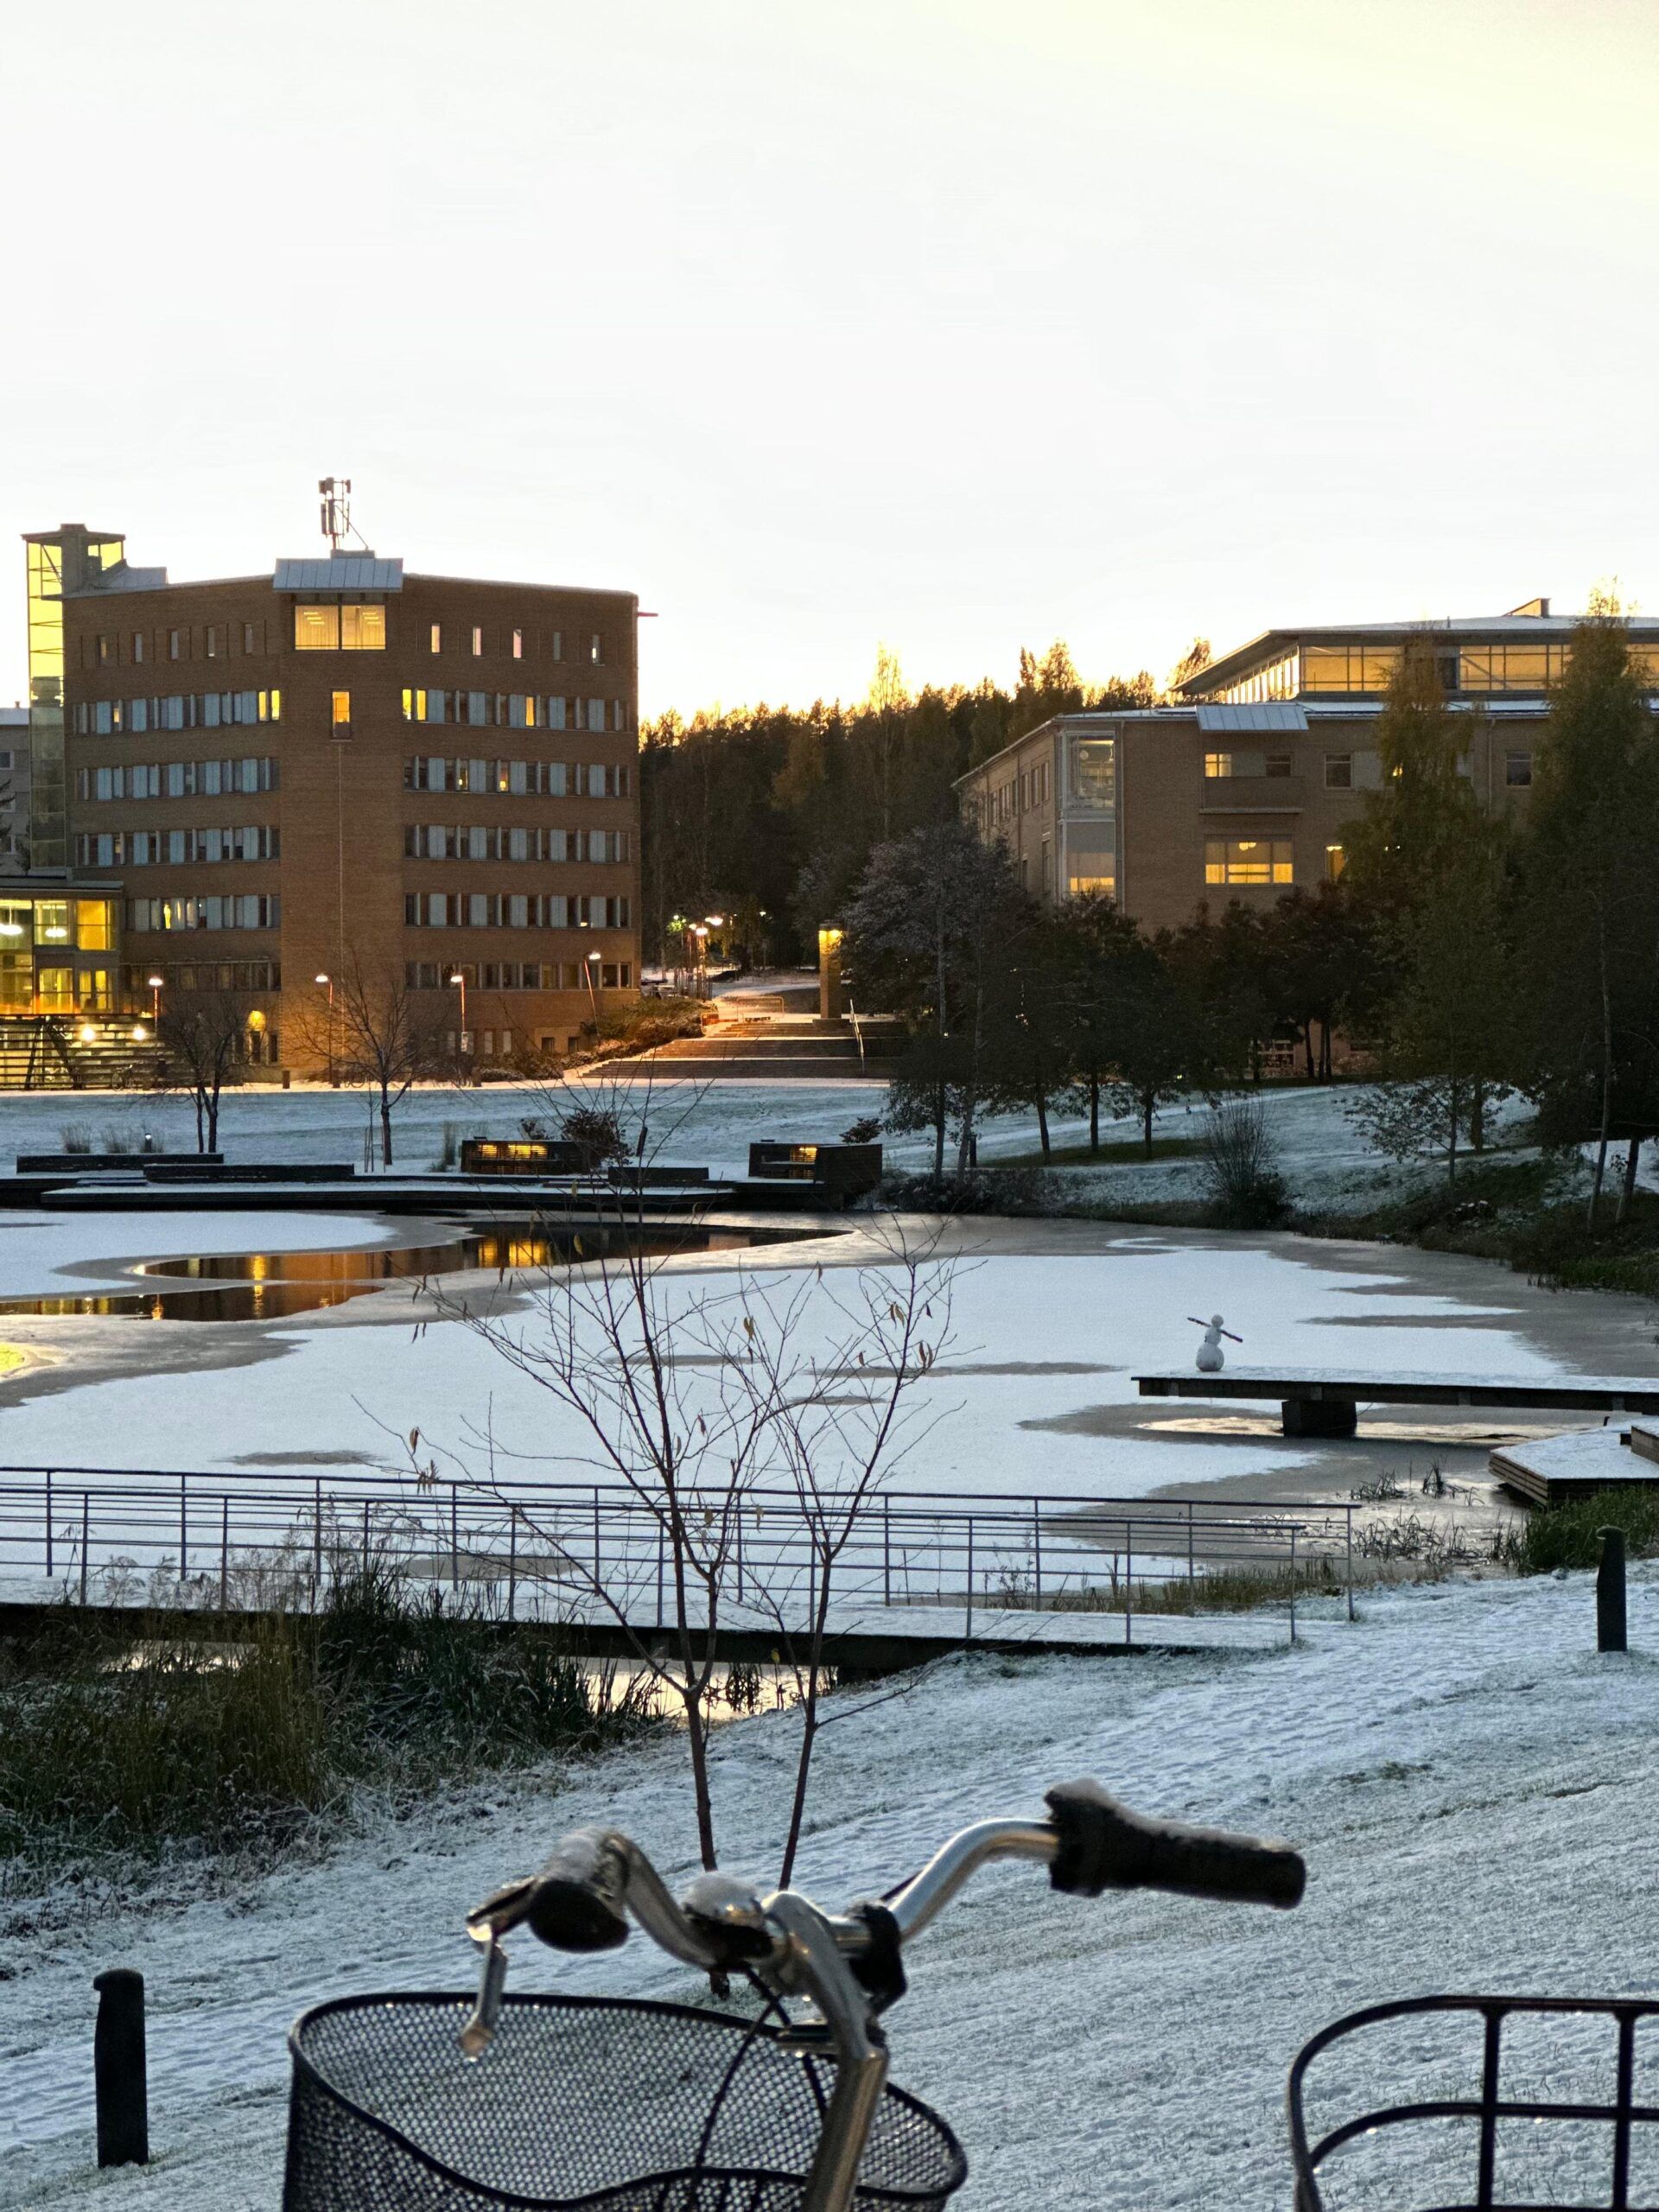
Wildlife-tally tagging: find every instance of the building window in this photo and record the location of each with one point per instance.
(248, 635)
(595, 648)
(1335, 860)
(175, 644)
(1217, 764)
(478, 641)
(363, 629)
(517, 645)
(341, 716)
(137, 645)
(1246, 860)
(1517, 770)
(1278, 764)
(105, 651)
(437, 637)
(1338, 773)
(212, 641)
(316, 629)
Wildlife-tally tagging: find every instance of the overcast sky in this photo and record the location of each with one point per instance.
(957, 326)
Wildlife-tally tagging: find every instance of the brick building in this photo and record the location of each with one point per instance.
(337, 769)
(1244, 784)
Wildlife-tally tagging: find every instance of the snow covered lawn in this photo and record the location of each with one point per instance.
(1475, 1790)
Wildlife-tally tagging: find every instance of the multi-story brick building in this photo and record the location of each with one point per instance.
(337, 770)
(1244, 785)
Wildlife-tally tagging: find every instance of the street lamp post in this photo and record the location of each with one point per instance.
(156, 983)
(588, 968)
(460, 980)
(326, 983)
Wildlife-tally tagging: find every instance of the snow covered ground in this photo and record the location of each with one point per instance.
(1474, 1789)
(1033, 1386)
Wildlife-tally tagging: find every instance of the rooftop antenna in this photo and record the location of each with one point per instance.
(336, 509)
(337, 524)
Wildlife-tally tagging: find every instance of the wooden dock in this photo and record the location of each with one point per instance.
(1326, 1401)
(1552, 1470)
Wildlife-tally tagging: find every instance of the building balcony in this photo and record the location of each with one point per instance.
(1252, 795)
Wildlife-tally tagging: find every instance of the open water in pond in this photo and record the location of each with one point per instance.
(272, 1286)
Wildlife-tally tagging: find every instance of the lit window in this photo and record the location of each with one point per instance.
(342, 713)
(1517, 770)
(478, 641)
(105, 652)
(437, 637)
(363, 629)
(212, 641)
(517, 645)
(1246, 860)
(316, 629)
(595, 651)
(1217, 764)
(1338, 774)
(94, 924)
(1335, 860)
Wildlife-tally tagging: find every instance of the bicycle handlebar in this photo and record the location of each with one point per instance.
(1104, 1846)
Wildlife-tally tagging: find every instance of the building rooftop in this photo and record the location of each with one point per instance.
(1520, 625)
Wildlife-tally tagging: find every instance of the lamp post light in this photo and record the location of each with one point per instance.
(326, 983)
(459, 981)
(590, 969)
(156, 983)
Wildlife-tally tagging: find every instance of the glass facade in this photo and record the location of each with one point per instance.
(43, 942)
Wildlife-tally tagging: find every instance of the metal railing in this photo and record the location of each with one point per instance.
(229, 1539)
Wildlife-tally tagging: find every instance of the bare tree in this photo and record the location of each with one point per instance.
(384, 1033)
(206, 1034)
(772, 1401)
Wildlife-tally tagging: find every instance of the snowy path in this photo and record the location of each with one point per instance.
(1476, 1791)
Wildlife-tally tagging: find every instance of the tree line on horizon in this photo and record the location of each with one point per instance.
(768, 816)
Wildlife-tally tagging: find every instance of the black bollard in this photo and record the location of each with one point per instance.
(118, 2070)
(1609, 1592)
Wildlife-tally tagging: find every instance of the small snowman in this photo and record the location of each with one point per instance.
(1211, 1358)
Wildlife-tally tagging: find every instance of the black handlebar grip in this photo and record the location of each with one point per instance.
(576, 1903)
(1104, 1846)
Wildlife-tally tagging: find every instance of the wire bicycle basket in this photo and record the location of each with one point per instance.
(616, 2104)
(1567, 2122)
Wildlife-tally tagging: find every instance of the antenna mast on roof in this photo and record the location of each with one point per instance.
(337, 512)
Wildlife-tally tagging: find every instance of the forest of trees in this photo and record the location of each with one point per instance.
(767, 817)
(1477, 957)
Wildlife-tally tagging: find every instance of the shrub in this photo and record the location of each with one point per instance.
(988, 1190)
(1568, 1536)
(76, 1136)
(864, 1131)
(596, 1131)
(1240, 1166)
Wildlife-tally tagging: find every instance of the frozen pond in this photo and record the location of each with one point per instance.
(1031, 1390)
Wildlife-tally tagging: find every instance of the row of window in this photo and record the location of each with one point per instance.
(176, 710)
(88, 923)
(544, 779)
(518, 976)
(1345, 772)
(178, 848)
(340, 629)
(252, 911)
(1248, 860)
(204, 975)
(443, 840)
(260, 771)
(514, 710)
(510, 910)
(589, 647)
(217, 640)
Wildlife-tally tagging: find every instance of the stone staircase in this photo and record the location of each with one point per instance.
(796, 1049)
(78, 1052)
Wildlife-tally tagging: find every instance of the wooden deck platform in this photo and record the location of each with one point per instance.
(1326, 1401)
(1553, 1471)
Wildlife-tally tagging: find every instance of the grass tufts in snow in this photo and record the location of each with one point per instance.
(1569, 1536)
(130, 1737)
